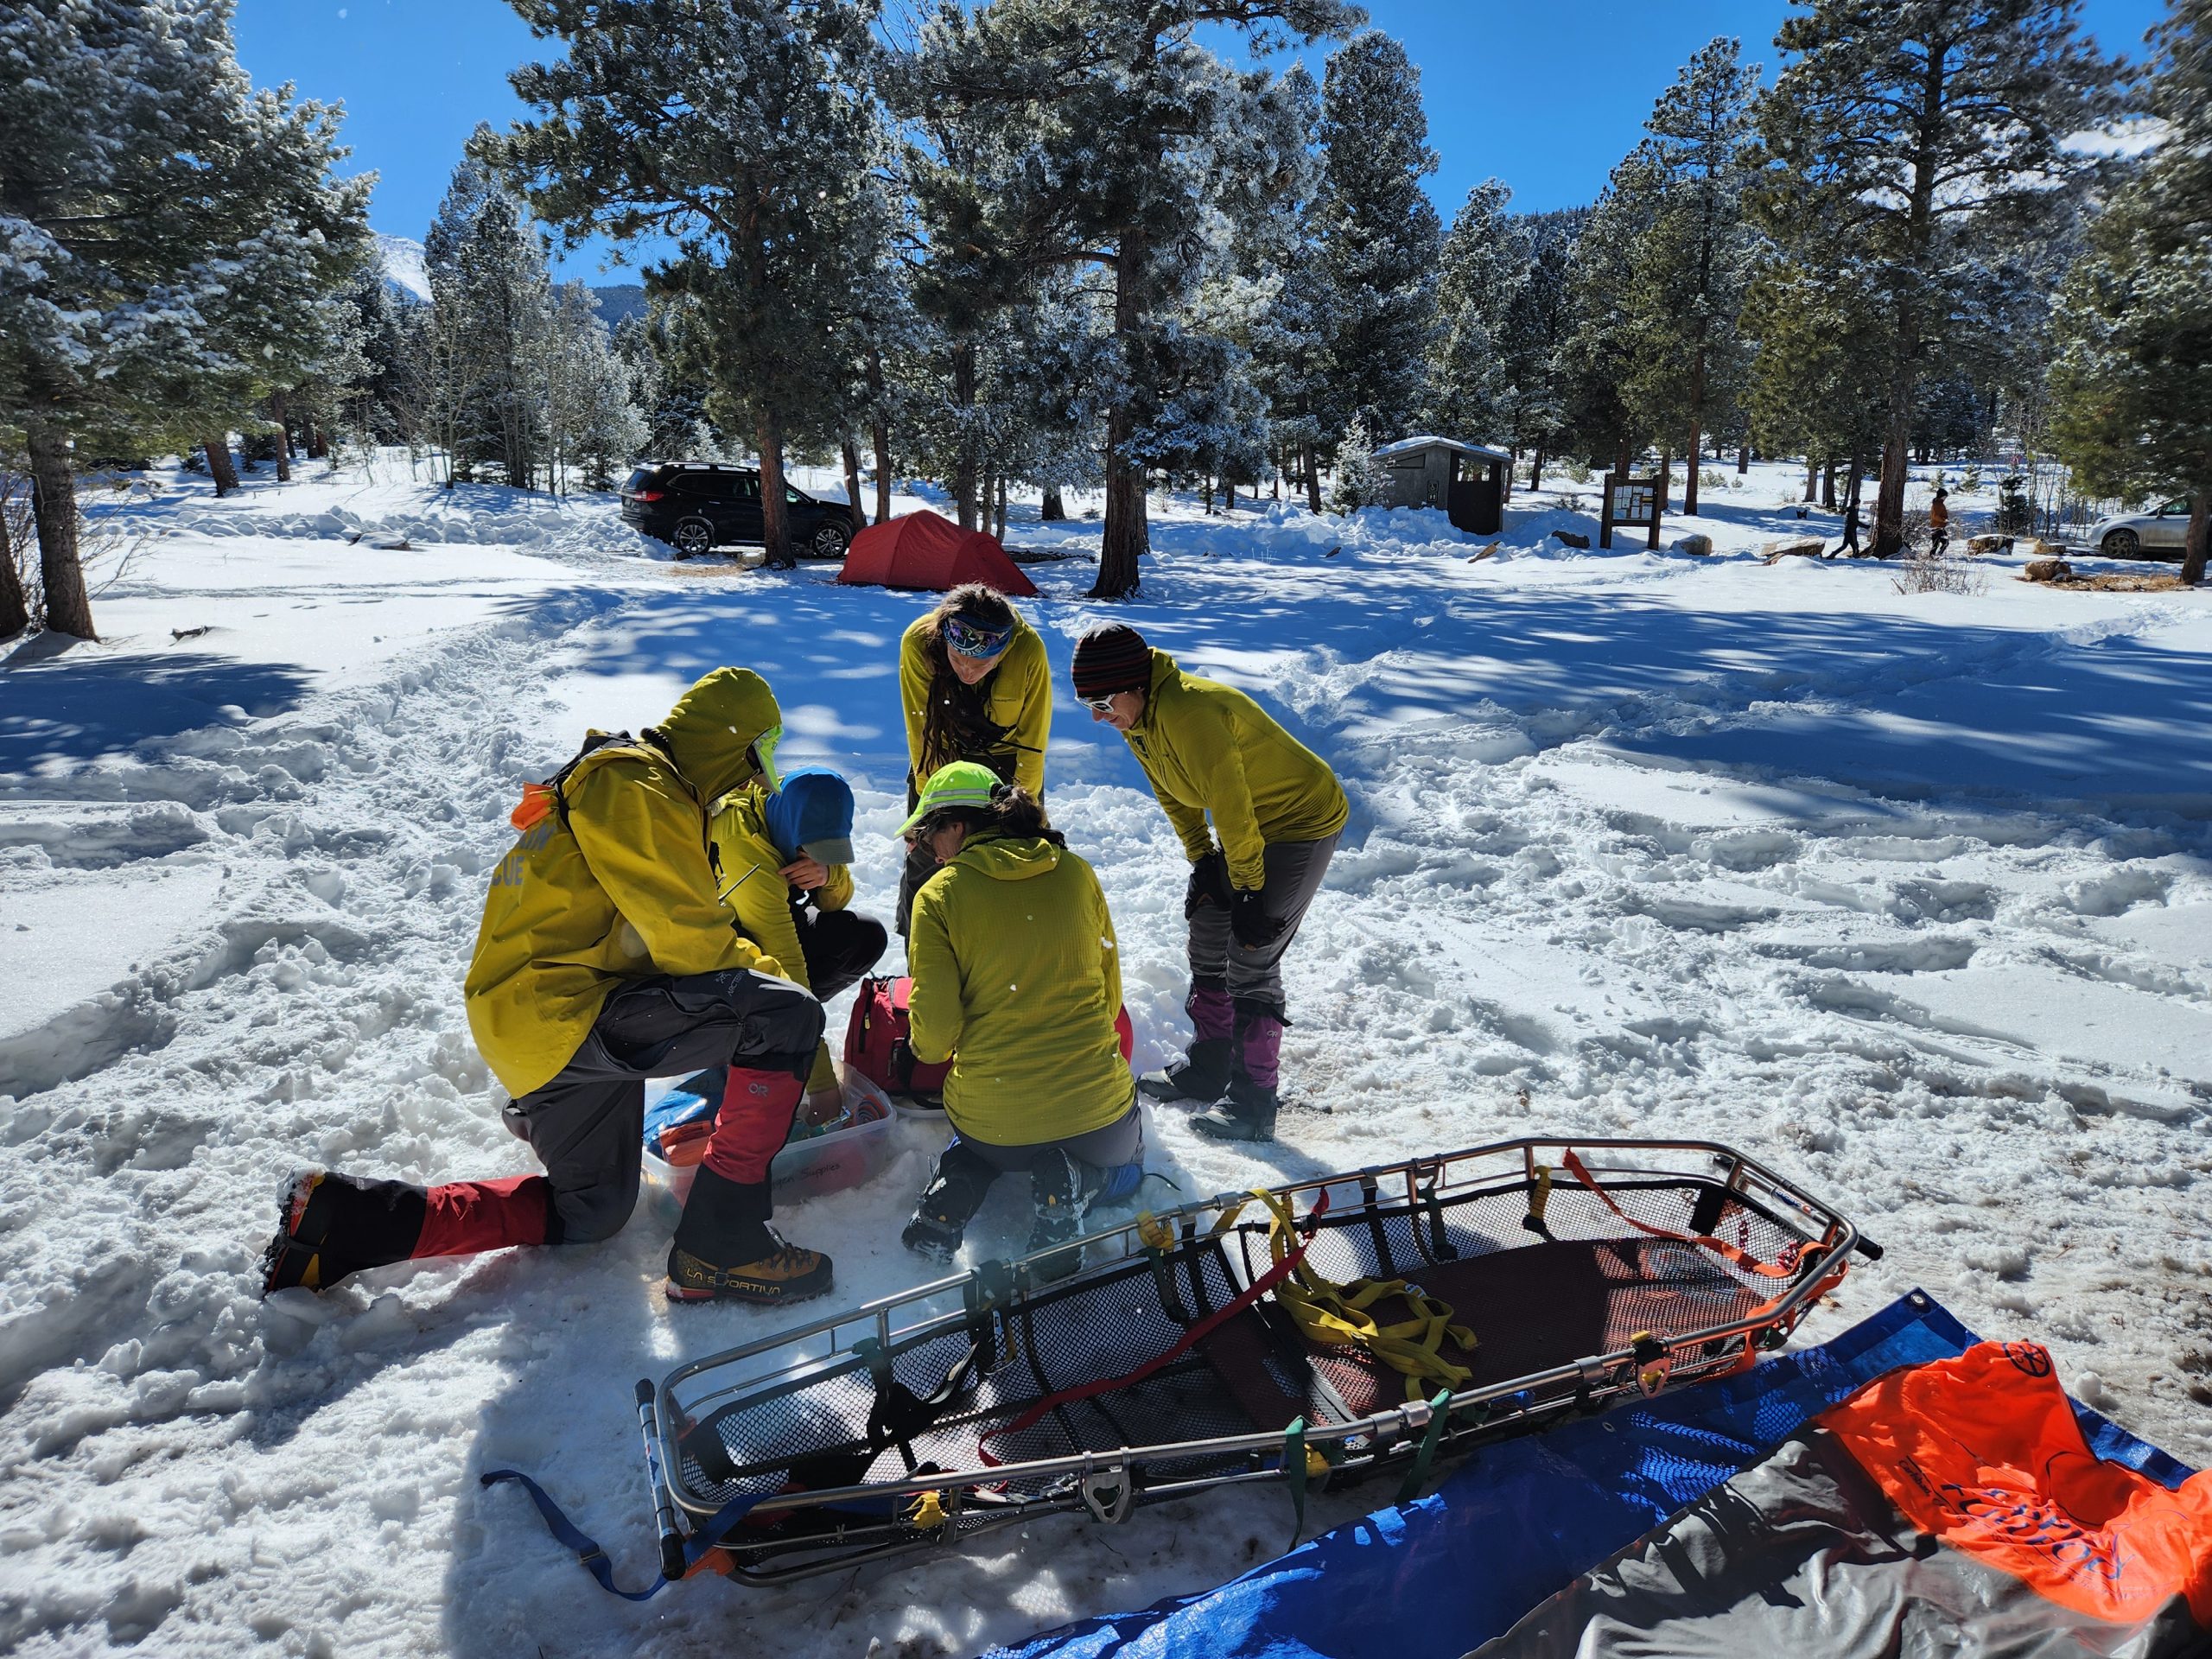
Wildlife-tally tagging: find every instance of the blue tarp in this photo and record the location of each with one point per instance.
(1523, 1517)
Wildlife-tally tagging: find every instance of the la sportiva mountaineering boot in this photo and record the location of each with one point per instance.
(724, 1249)
(949, 1203)
(329, 1224)
(1202, 1072)
(1062, 1189)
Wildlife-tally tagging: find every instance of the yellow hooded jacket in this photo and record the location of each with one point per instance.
(1207, 748)
(1018, 698)
(1017, 981)
(752, 885)
(622, 890)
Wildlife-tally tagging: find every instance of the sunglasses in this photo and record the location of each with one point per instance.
(762, 753)
(973, 638)
(1102, 705)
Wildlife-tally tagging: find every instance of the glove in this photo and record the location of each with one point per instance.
(1209, 884)
(1250, 921)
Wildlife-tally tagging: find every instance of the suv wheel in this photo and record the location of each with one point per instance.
(693, 538)
(2123, 545)
(830, 540)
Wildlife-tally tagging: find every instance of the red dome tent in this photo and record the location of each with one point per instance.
(923, 550)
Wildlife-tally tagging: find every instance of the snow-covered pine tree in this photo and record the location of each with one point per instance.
(1693, 260)
(747, 129)
(1360, 479)
(593, 426)
(1107, 134)
(1485, 263)
(1274, 259)
(1912, 145)
(2134, 398)
(1537, 325)
(1380, 238)
(492, 285)
(667, 369)
(1811, 389)
(160, 223)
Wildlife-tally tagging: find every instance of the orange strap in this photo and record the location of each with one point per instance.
(535, 807)
(1743, 1258)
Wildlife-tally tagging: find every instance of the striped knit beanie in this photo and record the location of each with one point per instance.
(1112, 658)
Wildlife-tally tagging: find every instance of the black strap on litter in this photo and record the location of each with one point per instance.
(594, 1560)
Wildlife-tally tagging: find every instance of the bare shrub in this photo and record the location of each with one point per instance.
(1939, 573)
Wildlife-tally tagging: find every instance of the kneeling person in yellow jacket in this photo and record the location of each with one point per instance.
(1018, 982)
(1211, 752)
(781, 859)
(606, 958)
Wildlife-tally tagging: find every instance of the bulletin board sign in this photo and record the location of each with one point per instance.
(1628, 504)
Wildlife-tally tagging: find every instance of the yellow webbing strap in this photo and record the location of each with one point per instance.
(1337, 1316)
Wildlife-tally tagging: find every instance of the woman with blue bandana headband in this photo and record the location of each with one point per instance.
(974, 685)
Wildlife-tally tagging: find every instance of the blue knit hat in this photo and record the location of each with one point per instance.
(812, 815)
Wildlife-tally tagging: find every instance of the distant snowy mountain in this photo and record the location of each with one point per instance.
(402, 265)
(404, 270)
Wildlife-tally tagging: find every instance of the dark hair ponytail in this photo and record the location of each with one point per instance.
(1014, 814)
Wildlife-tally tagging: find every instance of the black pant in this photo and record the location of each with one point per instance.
(588, 1125)
(839, 946)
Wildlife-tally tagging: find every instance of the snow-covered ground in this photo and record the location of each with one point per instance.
(1908, 894)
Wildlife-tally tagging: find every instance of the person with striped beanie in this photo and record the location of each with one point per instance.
(1259, 815)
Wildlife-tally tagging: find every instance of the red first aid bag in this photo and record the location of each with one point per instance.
(876, 1040)
(877, 1045)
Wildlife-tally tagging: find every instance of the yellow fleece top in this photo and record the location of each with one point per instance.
(622, 890)
(1208, 750)
(1017, 698)
(1017, 981)
(752, 885)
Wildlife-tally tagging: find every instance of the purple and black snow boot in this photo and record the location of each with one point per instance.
(1202, 1073)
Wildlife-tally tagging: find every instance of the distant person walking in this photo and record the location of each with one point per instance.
(1939, 523)
(1851, 524)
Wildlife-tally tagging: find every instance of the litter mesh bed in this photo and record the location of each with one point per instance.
(1534, 1304)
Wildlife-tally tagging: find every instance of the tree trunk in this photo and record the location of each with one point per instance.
(1126, 536)
(1051, 509)
(1666, 480)
(999, 512)
(1696, 451)
(1743, 461)
(964, 479)
(318, 441)
(1620, 457)
(53, 509)
(882, 438)
(15, 608)
(1850, 481)
(775, 522)
(1811, 478)
(220, 466)
(1888, 500)
(1827, 486)
(1312, 477)
(1536, 469)
(2193, 547)
(853, 486)
(283, 436)
(1209, 495)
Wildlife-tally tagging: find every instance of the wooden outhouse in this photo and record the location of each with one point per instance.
(1468, 481)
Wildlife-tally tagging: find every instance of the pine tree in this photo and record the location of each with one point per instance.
(2134, 398)
(1104, 135)
(1601, 352)
(1380, 238)
(1911, 144)
(1811, 388)
(1694, 258)
(1538, 323)
(747, 131)
(163, 224)
(490, 279)
(1485, 263)
(1277, 256)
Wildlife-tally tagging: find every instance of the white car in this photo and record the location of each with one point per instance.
(2157, 535)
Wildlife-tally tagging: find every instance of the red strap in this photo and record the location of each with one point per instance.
(1741, 1257)
(1259, 1287)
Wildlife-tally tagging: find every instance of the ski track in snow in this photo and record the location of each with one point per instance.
(1979, 1019)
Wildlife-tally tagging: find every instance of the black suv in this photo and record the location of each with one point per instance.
(697, 506)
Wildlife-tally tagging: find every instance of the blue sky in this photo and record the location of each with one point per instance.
(1547, 97)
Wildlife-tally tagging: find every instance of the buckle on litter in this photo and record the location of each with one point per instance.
(1109, 1493)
